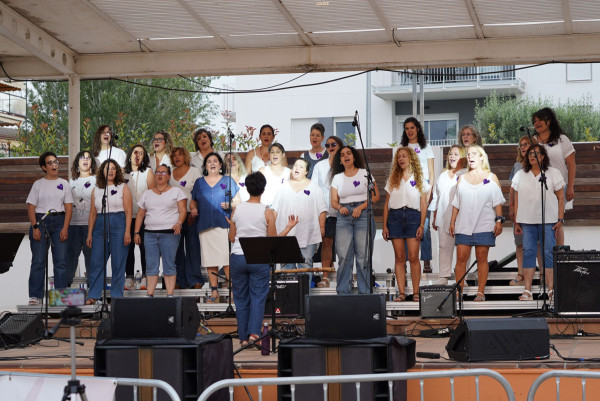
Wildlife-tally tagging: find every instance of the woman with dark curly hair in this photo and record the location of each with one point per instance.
(349, 192)
(404, 216)
(103, 147)
(82, 183)
(139, 178)
(561, 154)
(116, 218)
(414, 138)
(528, 214)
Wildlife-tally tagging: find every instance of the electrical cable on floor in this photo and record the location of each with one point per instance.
(571, 359)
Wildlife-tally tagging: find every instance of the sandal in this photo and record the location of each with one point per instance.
(210, 300)
(415, 298)
(253, 342)
(479, 297)
(526, 296)
(91, 301)
(324, 283)
(516, 281)
(427, 267)
(400, 298)
(551, 295)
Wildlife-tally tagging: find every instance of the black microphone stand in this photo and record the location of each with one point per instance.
(370, 192)
(544, 309)
(453, 289)
(229, 311)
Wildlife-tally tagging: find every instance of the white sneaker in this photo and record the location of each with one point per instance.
(129, 284)
(34, 301)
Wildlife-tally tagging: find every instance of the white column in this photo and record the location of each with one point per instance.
(74, 117)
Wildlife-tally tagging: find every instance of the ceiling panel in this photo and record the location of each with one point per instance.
(518, 11)
(333, 15)
(411, 14)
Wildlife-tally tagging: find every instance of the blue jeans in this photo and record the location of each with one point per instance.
(350, 245)
(250, 284)
(426, 253)
(532, 235)
(114, 248)
(307, 253)
(130, 264)
(161, 245)
(39, 253)
(76, 245)
(189, 266)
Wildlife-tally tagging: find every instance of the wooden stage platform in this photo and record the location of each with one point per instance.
(572, 338)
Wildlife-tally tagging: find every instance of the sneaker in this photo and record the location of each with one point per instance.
(34, 301)
(129, 284)
(143, 285)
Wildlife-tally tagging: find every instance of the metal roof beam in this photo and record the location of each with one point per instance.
(567, 48)
(36, 41)
(288, 16)
(475, 19)
(205, 24)
(567, 16)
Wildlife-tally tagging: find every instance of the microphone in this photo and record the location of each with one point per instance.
(527, 129)
(428, 355)
(355, 122)
(37, 224)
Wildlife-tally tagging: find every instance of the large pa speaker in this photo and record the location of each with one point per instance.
(172, 317)
(289, 296)
(500, 339)
(431, 297)
(345, 317)
(576, 282)
(20, 329)
(189, 366)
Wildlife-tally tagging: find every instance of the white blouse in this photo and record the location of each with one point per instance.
(137, 182)
(307, 204)
(475, 204)
(116, 154)
(81, 189)
(274, 182)
(406, 195)
(529, 196)
(445, 191)
(321, 175)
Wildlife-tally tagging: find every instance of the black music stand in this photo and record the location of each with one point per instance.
(271, 250)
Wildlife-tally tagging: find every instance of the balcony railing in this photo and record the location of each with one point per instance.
(12, 104)
(457, 75)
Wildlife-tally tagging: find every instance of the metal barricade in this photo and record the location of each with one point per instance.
(358, 379)
(558, 374)
(135, 383)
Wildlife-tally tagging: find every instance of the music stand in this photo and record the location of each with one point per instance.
(271, 250)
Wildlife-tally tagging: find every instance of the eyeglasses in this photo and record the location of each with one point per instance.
(162, 173)
(330, 145)
(158, 139)
(533, 153)
(524, 146)
(51, 162)
(85, 158)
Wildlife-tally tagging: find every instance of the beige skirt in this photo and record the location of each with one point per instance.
(214, 247)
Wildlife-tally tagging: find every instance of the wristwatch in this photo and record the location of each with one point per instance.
(561, 221)
(501, 219)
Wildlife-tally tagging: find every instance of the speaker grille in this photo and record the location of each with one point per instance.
(13, 325)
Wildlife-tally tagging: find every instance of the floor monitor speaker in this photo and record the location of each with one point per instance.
(172, 317)
(289, 296)
(500, 339)
(345, 317)
(20, 329)
(576, 283)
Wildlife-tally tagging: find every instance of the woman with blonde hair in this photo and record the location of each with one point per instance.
(237, 171)
(162, 143)
(445, 190)
(476, 216)
(404, 215)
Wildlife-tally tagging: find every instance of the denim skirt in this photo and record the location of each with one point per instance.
(485, 239)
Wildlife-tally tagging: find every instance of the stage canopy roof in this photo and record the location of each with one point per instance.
(145, 38)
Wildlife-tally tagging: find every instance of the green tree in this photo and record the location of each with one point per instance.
(500, 117)
(134, 112)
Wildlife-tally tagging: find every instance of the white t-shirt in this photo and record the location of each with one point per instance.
(138, 184)
(475, 204)
(115, 199)
(166, 159)
(81, 189)
(161, 209)
(274, 182)
(250, 221)
(186, 183)
(48, 195)
(307, 204)
(243, 191)
(197, 160)
(406, 195)
(117, 155)
(529, 196)
(445, 191)
(557, 153)
(424, 155)
(321, 175)
(351, 189)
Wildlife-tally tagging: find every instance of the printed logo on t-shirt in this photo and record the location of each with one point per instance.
(60, 186)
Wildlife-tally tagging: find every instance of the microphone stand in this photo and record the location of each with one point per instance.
(370, 192)
(457, 287)
(545, 309)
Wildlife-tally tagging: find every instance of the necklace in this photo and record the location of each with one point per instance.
(160, 192)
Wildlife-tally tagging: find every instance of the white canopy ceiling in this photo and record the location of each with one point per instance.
(142, 38)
